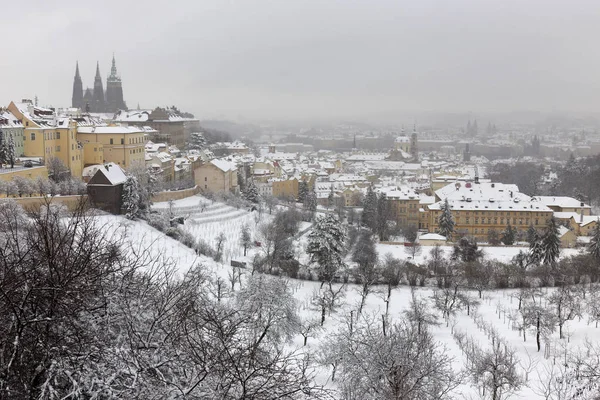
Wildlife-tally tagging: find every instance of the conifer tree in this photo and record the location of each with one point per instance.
(302, 191)
(594, 246)
(251, 192)
(550, 243)
(130, 198)
(326, 246)
(10, 151)
(369, 214)
(3, 148)
(310, 201)
(197, 141)
(446, 221)
(508, 235)
(532, 235)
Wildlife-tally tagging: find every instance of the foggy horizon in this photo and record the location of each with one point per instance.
(321, 60)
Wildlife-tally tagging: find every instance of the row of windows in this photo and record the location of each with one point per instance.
(134, 151)
(135, 140)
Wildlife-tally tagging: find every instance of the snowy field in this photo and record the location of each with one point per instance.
(496, 315)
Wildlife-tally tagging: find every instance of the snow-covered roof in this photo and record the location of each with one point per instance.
(561, 201)
(111, 171)
(482, 190)
(132, 116)
(8, 120)
(487, 196)
(115, 130)
(432, 236)
(223, 165)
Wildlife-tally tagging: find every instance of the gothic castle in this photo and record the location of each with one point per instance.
(97, 100)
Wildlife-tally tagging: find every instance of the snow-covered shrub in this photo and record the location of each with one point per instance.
(202, 247)
(187, 239)
(173, 233)
(158, 221)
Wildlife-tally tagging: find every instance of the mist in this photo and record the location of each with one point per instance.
(312, 59)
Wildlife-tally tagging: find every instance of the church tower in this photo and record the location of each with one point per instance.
(414, 144)
(98, 103)
(114, 90)
(77, 98)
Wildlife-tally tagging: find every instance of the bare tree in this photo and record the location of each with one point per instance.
(366, 272)
(220, 240)
(567, 306)
(391, 275)
(309, 328)
(419, 314)
(496, 369)
(245, 238)
(400, 365)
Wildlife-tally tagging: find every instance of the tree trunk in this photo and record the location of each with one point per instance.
(305, 340)
(322, 315)
(537, 336)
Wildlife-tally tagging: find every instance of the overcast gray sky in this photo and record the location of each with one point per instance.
(310, 58)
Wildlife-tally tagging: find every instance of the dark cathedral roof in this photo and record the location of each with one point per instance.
(97, 99)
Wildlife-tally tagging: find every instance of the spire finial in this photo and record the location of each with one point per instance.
(97, 69)
(113, 68)
(77, 69)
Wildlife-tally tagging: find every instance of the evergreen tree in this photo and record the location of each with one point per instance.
(310, 201)
(251, 192)
(302, 191)
(594, 246)
(326, 246)
(550, 243)
(3, 148)
(197, 141)
(10, 151)
(369, 214)
(446, 221)
(508, 235)
(532, 236)
(130, 198)
(384, 213)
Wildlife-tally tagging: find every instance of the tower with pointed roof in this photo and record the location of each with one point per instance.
(77, 98)
(114, 90)
(98, 101)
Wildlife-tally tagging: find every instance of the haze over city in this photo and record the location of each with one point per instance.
(283, 60)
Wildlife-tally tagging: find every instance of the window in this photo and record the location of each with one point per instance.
(73, 158)
(95, 149)
(111, 141)
(72, 147)
(58, 135)
(205, 187)
(32, 136)
(57, 148)
(122, 141)
(205, 179)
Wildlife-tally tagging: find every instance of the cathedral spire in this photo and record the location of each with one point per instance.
(113, 69)
(98, 70)
(77, 98)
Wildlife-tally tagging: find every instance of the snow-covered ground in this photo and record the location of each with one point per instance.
(207, 219)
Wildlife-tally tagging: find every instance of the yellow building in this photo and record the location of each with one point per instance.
(285, 188)
(404, 205)
(123, 145)
(46, 136)
(478, 208)
(217, 176)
